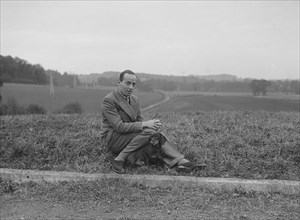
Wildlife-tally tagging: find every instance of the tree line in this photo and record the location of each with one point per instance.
(16, 70)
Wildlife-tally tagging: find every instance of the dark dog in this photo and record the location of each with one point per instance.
(150, 153)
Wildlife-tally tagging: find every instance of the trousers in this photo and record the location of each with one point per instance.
(124, 144)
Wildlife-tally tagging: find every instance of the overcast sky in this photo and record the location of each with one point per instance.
(257, 39)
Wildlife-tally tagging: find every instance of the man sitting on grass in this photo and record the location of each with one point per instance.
(124, 131)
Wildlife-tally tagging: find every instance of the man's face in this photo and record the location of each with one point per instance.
(128, 84)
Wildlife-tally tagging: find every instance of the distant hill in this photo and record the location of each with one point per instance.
(89, 78)
(219, 77)
(93, 77)
(17, 70)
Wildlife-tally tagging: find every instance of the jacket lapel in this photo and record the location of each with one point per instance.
(126, 106)
(134, 104)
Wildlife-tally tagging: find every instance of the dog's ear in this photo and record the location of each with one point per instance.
(162, 139)
(150, 137)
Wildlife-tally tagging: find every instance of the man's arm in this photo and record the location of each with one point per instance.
(111, 113)
(154, 124)
(114, 118)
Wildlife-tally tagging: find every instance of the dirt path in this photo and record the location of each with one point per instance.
(119, 200)
(158, 103)
(41, 209)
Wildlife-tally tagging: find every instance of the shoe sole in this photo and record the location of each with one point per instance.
(118, 171)
(190, 169)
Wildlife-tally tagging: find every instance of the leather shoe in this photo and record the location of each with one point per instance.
(189, 167)
(117, 166)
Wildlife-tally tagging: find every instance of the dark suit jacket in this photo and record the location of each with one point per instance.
(118, 116)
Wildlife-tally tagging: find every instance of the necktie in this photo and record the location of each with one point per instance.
(128, 99)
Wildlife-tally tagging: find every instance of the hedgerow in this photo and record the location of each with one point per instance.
(12, 107)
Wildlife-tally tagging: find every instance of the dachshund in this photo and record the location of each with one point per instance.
(151, 153)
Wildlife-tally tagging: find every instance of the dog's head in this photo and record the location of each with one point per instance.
(156, 140)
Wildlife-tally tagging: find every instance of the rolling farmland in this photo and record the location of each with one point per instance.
(90, 99)
(181, 102)
(236, 135)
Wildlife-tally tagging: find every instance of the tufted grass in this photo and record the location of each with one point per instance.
(250, 145)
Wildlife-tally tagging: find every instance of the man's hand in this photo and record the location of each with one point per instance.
(154, 124)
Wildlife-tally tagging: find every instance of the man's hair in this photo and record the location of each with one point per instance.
(124, 72)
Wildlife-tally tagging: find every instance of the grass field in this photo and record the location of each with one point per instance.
(90, 99)
(242, 144)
